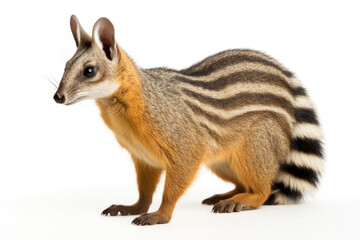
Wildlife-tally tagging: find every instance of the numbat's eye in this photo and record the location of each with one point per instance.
(89, 72)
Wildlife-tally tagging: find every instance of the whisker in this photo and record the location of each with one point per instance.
(54, 79)
(63, 52)
(52, 84)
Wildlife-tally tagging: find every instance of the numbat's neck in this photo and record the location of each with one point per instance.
(126, 103)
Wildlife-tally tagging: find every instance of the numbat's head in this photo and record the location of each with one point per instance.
(90, 72)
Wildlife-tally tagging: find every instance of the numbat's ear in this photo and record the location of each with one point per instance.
(78, 32)
(103, 36)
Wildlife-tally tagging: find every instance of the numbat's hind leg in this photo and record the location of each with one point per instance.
(256, 161)
(225, 172)
(239, 202)
(218, 197)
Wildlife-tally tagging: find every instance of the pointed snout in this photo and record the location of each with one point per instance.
(59, 98)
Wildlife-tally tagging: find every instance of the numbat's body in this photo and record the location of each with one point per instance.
(239, 112)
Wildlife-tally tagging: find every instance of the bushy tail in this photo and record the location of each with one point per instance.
(300, 172)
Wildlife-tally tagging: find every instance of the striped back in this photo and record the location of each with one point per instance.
(224, 88)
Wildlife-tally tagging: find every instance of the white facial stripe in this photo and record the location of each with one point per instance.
(97, 91)
(104, 89)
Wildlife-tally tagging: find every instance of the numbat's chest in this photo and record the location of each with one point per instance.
(139, 150)
(131, 138)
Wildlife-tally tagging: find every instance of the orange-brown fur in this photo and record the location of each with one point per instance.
(239, 112)
(124, 113)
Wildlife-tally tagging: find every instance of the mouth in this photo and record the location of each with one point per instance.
(72, 101)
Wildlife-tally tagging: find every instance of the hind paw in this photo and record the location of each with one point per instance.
(212, 200)
(228, 206)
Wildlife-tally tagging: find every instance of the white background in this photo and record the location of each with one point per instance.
(60, 166)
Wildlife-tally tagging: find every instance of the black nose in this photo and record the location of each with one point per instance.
(59, 98)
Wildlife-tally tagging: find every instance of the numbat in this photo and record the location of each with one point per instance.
(239, 112)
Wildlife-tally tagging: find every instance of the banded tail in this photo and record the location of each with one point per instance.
(300, 172)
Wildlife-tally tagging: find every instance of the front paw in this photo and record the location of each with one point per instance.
(151, 219)
(115, 210)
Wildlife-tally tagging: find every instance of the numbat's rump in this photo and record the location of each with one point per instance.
(239, 112)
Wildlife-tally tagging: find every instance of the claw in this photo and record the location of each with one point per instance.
(150, 219)
(115, 210)
(228, 206)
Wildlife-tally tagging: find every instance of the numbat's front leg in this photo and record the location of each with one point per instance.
(147, 179)
(178, 178)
